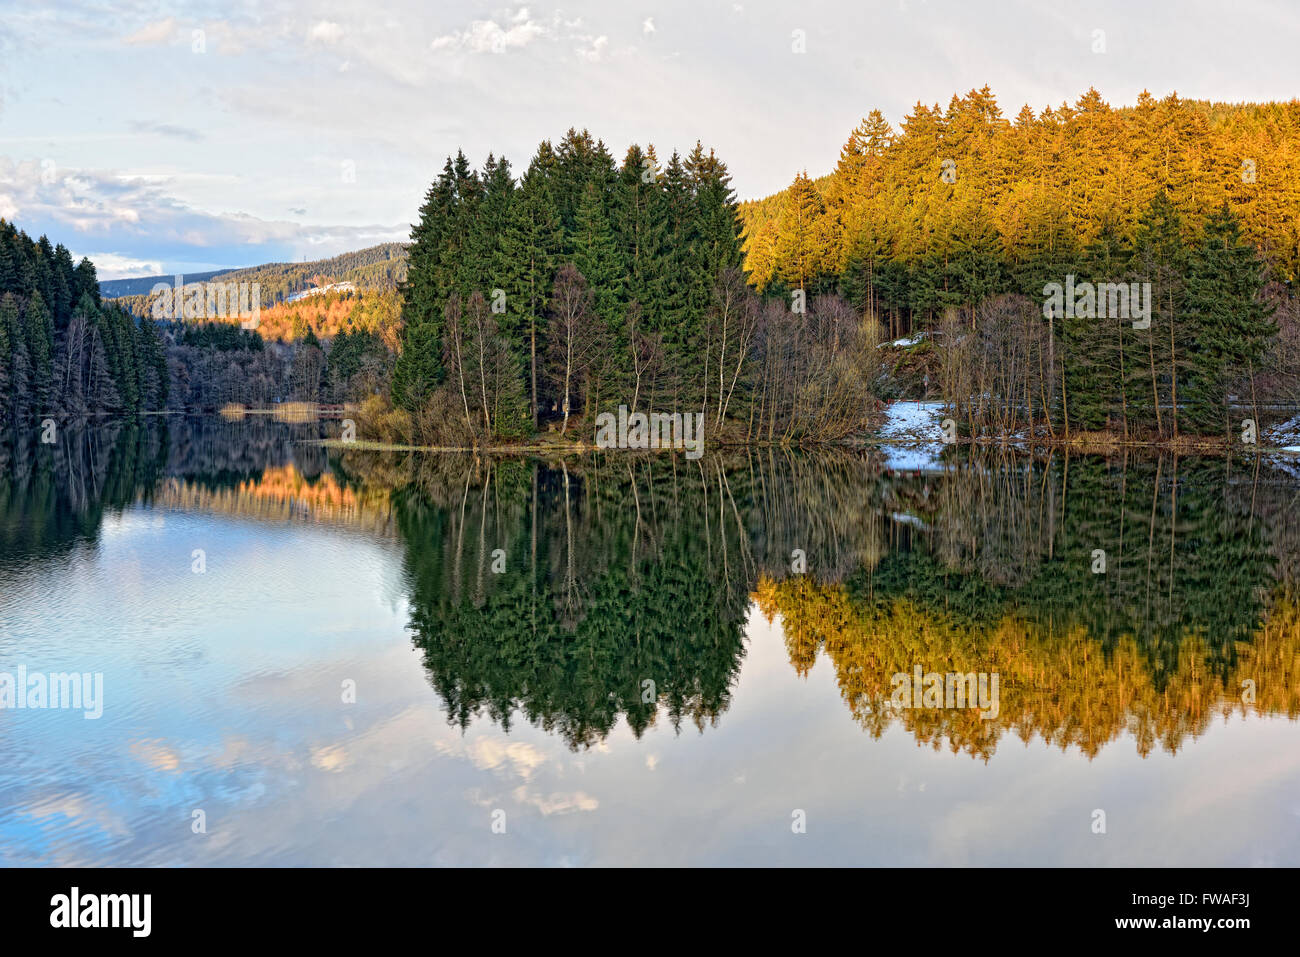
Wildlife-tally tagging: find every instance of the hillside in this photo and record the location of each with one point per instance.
(968, 178)
(379, 267)
(121, 288)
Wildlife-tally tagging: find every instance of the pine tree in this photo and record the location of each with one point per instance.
(488, 241)
(65, 288)
(85, 282)
(638, 223)
(151, 366)
(418, 368)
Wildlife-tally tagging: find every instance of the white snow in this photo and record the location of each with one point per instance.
(321, 290)
(913, 421)
(903, 518)
(1284, 437)
(906, 341)
(912, 436)
(907, 459)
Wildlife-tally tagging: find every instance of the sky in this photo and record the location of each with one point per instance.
(187, 136)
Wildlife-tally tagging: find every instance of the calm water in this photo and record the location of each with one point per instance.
(319, 658)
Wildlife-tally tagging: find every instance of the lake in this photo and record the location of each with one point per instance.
(312, 656)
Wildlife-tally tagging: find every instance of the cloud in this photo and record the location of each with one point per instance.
(134, 218)
(488, 753)
(152, 34)
(113, 266)
(556, 803)
(330, 758)
(325, 31)
(596, 49)
(488, 36)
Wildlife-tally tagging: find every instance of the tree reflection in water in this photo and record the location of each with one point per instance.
(575, 592)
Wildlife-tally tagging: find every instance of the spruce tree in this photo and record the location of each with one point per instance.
(1160, 257)
(1232, 323)
(596, 254)
(801, 247)
(532, 245)
(38, 333)
(8, 322)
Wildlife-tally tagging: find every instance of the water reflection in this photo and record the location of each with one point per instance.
(574, 594)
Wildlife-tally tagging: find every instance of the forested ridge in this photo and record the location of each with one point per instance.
(951, 226)
(588, 284)
(375, 267)
(928, 201)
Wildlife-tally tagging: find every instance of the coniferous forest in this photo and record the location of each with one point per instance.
(62, 350)
(585, 284)
(948, 228)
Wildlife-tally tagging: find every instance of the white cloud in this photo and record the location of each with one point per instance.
(132, 216)
(487, 753)
(556, 803)
(596, 51)
(487, 36)
(113, 266)
(325, 31)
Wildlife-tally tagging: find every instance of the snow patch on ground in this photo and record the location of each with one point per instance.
(912, 437)
(1286, 435)
(903, 343)
(912, 421)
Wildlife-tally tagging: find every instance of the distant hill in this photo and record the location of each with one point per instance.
(376, 267)
(117, 288)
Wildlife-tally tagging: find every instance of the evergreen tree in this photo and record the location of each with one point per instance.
(8, 322)
(530, 250)
(1232, 323)
(151, 366)
(596, 254)
(802, 247)
(1160, 257)
(38, 334)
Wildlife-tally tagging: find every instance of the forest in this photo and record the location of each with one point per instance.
(586, 284)
(948, 230)
(62, 350)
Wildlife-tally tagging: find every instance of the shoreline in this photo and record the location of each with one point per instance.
(1181, 447)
